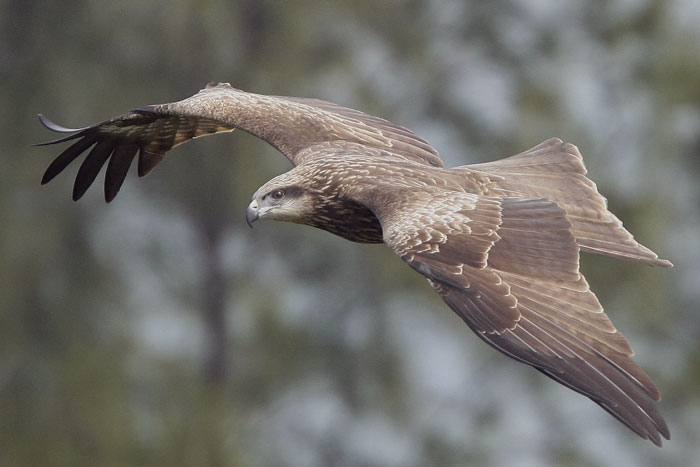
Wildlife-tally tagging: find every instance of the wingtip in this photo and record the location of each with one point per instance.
(660, 262)
(78, 191)
(47, 123)
(658, 438)
(110, 195)
(44, 120)
(54, 126)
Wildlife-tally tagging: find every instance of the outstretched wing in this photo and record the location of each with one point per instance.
(509, 268)
(299, 128)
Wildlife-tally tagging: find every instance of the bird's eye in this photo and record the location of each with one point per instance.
(277, 194)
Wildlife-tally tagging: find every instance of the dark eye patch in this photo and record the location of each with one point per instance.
(293, 191)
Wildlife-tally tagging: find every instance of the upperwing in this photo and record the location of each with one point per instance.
(509, 268)
(299, 128)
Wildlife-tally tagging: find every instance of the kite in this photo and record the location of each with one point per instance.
(498, 241)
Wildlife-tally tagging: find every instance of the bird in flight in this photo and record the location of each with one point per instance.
(498, 241)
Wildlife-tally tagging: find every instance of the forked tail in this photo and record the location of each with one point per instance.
(554, 170)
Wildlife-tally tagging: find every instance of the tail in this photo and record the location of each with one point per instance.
(554, 170)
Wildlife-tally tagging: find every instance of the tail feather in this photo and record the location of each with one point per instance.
(554, 170)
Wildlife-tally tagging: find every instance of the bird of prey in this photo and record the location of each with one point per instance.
(498, 241)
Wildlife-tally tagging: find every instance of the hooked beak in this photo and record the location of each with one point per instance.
(251, 213)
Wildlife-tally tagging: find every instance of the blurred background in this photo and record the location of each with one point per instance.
(160, 330)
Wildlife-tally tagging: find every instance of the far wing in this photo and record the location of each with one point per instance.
(509, 268)
(299, 128)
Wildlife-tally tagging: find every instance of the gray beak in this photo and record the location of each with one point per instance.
(251, 213)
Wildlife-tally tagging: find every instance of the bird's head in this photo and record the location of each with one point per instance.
(281, 199)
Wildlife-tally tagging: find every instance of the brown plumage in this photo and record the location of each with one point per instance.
(498, 241)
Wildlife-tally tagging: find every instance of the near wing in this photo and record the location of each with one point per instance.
(509, 268)
(299, 128)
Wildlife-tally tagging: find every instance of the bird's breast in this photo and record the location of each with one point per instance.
(348, 219)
